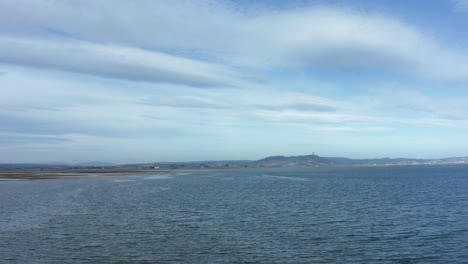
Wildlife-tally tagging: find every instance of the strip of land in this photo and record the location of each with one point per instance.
(74, 174)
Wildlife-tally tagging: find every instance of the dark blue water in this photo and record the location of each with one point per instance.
(314, 215)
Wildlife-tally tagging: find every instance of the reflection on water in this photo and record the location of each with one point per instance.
(316, 215)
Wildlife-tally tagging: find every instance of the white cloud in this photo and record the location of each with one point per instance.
(318, 37)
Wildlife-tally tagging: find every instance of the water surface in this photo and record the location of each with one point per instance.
(301, 215)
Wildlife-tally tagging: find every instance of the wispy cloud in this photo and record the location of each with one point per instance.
(351, 129)
(314, 118)
(28, 139)
(298, 106)
(183, 101)
(394, 99)
(114, 62)
(460, 5)
(147, 110)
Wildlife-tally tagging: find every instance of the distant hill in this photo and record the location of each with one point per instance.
(379, 161)
(54, 165)
(27, 166)
(315, 160)
(95, 164)
(272, 161)
(291, 161)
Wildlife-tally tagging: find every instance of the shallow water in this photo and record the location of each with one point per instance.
(307, 215)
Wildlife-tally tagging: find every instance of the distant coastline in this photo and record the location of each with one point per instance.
(25, 171)
(312, 160)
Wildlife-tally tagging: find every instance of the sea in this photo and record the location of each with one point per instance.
(406, 214)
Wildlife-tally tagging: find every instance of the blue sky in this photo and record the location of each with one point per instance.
(142, 81)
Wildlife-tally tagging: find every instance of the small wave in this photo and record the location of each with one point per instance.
(123, 180)
(211, 175)
(10, 179)
(285, 177)
(159, 177)
(184, 173)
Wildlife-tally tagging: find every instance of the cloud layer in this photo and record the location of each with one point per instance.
(170, 80)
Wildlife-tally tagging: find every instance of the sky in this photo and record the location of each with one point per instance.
(177, 80)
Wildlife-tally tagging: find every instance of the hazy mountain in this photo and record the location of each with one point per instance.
(95, 164)
(284, 161)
